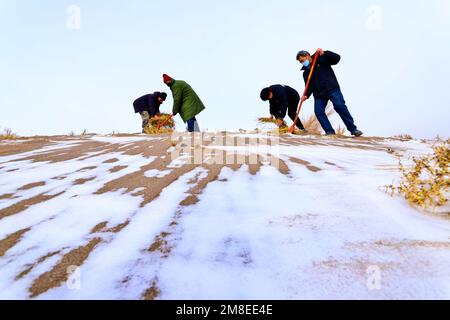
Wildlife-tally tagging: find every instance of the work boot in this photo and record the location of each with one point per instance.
(357, 133)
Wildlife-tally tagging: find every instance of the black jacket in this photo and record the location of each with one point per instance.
(323, 80)
(284, 97)
(148, 103)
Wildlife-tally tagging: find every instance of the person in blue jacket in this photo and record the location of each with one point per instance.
(325, 87)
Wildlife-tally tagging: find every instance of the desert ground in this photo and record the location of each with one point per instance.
(298, 217)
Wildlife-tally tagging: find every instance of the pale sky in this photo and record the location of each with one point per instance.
(55, 79)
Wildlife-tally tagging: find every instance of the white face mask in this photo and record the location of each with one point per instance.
(306, 63)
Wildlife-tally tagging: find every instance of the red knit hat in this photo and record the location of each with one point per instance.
(166, 78)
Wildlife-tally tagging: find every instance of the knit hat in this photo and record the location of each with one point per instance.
(163, 96)
(166, 78)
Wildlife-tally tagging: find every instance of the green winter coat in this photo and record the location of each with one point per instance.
(185, 101)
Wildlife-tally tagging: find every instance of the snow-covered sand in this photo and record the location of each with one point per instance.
(142, 225)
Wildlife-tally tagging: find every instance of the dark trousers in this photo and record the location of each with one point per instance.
(191, 124)
(338, 101)
(292, 112)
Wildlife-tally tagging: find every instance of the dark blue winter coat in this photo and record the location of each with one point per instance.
(323, 80)
(284, 98)
(148, 103)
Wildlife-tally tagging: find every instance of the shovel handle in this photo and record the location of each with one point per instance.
(292, 128)
(165, 121)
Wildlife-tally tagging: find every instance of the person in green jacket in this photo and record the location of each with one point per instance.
(185, 102)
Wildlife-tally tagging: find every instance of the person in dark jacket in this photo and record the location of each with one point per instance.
(325, 87)
(282, 100)
(148, 106)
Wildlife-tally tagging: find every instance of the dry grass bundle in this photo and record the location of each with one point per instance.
(311, 124)
(427, 182)
(269, 120)
(281, 130)
(163, 117)
(168, 127)
(7, 134)
(285, 129)
(155, 130)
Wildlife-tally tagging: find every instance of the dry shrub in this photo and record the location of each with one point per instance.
(313, 125)
(168, 127)
(8, 134)
(340, 131)
(404, 136)
(426, 184)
